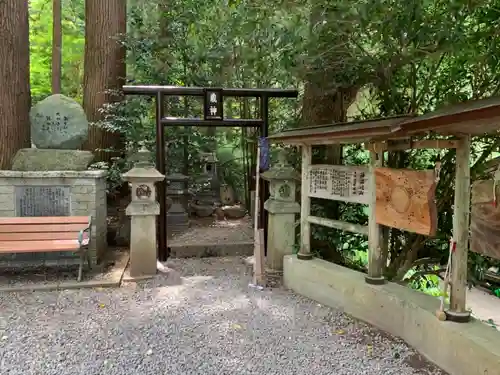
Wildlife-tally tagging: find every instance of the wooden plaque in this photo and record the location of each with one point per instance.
(406, 200)
(485, 220)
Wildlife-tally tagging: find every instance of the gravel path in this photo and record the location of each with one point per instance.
(200, 319)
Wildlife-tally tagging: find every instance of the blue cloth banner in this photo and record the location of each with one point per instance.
(264, 153)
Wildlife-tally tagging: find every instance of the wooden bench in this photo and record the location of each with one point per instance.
(47, 234)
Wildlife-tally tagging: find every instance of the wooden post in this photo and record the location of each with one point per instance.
(259, 277)
(375, 269)
(457, 311)
(305, 206)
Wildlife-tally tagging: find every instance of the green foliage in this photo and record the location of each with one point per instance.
(357, 259)
(73, 28)
(231, 171)
(217, 45)
(416, 278)
(406, 57)
(133, 118)
(427, 283)
(400, 57)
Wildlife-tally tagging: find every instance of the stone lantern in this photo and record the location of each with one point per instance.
(143, 210)
(210, 195)
(177, 191)
(282, 208)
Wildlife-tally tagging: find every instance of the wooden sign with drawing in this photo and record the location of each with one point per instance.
(405, 200)
(485, 220)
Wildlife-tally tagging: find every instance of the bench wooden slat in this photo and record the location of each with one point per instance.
(37, 228)
(38, 246)
(44, 220)
(40, 236)
(45, 234)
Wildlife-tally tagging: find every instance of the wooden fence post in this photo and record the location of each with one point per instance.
(457, 311)
(305, 206)
(375, 268)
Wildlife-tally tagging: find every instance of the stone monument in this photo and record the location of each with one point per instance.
(59, 128)
(177, 216)
(143, 211)
(208, 197)
(52, 178)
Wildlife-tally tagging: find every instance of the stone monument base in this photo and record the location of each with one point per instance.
(42, 160)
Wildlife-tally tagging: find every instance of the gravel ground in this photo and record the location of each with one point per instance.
(27, 274)
(201, 318)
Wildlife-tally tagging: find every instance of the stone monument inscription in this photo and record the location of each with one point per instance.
(58, 122)
(42, 201)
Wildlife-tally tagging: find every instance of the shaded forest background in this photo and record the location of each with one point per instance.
(350, 59)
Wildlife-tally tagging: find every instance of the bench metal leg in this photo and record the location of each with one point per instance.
(89, 262)
(80, 269)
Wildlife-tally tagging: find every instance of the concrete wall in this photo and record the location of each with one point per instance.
(460, 349)
(87, 197)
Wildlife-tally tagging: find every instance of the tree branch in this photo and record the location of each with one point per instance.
(418, 274)
(425, 262)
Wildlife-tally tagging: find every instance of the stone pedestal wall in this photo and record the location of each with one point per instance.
(56, 193)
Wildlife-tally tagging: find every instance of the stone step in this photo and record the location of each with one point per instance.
(243, 248)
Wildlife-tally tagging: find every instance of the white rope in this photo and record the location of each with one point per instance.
(495, 179)
(437, 170)
(447, 274)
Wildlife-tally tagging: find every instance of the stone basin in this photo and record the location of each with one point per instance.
(202, 210)
(234, 212)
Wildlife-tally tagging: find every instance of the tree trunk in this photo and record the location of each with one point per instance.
(325, 100)
(15, 97)
(105, 69)
(56, 46)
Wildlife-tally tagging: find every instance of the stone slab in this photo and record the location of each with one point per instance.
(208, 238)
(89, 174)
(222, 232)
(58, 122)
(43, 201)
(459, 349)
(34, 159)
(211, 250)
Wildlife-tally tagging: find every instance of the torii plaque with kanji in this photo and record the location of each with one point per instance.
(406, 200)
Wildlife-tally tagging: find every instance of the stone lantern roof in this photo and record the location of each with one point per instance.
(281, 171)
(143, 170)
